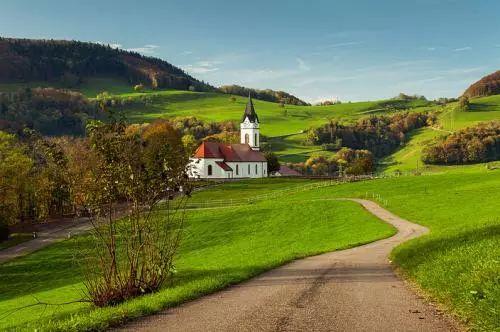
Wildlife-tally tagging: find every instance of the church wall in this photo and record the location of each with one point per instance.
(199, 169)
(243, 169)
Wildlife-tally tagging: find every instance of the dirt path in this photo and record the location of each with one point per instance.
(47, 234)
(349, 290)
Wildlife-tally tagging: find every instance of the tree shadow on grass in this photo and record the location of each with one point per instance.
(421, 250)
(481, 108)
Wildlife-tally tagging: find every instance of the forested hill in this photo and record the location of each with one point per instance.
(266, 95)
(67, 63)
(486, 86)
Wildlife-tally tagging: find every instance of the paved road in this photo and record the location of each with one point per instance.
(47, 234)
(349, 290)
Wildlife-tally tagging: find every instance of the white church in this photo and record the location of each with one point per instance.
(213, 160)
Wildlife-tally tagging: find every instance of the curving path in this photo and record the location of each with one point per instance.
(348, 290)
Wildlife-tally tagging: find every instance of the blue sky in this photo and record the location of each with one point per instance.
(353, 50)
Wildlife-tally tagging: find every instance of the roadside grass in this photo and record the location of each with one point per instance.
(459, 262)
(15, 239)
(221, 247)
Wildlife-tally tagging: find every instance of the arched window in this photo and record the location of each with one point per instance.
(248, 169)
(237, 170)
(209, 172)
(247, 139)
(256, 140)
(256, 169)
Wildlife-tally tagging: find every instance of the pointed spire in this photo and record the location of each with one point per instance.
(250, 111)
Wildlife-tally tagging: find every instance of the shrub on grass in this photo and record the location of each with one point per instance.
(140, 167)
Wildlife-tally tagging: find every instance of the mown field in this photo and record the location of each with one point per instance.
(221, 247)
(458, 263)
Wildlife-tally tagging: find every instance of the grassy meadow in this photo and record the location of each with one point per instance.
(220, 247)
(458, 263)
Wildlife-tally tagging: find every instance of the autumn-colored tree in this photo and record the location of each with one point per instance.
(463, 103)
(140, 169)
(15, 167)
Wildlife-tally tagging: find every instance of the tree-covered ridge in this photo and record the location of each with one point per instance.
(69, 62)
(50, 111)
(266, 95)
(476, 144)
(486, 86)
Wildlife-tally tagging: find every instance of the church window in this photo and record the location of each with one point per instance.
(248, 169)
(256, 140)
(247, 139)
(237, 170)
(256, 169)
(209, 170)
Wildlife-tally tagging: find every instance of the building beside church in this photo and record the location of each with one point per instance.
(213, 160)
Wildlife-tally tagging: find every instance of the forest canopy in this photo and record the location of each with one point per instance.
(69, 62)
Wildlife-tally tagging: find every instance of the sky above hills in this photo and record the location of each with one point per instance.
(351, 50)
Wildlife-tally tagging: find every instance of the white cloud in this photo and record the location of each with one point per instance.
(112, 45)
(202, 67)
(345, 44)
(303, 65)
(432, 79)
(145, 50)
(461, 49)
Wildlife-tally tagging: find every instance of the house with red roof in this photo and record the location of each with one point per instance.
(214, 160)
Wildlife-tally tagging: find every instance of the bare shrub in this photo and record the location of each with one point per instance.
(138, 173)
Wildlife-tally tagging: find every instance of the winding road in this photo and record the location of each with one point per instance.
(348, 290)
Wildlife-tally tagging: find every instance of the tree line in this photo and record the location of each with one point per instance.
(475, 144)
(70, 62)
(48, 111)
(267, 95)
(381, 135)
(345, 162)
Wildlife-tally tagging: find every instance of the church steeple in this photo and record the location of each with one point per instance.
(250, 111)
(249, 126)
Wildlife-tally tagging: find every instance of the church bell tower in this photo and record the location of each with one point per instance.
(249, 126)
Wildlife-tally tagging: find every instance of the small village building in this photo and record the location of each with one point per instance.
(286, 171)
(214, 160)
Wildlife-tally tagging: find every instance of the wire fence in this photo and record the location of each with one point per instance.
(275, 194)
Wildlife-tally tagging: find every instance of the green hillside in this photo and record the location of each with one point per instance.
(283, 125)
(450, 119)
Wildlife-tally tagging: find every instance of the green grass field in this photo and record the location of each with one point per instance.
(221, 247)
(458, 263)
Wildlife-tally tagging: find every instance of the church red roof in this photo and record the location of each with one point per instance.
(228, 152)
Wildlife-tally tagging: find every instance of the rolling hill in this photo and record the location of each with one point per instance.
(70, 63)
(486, 86)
